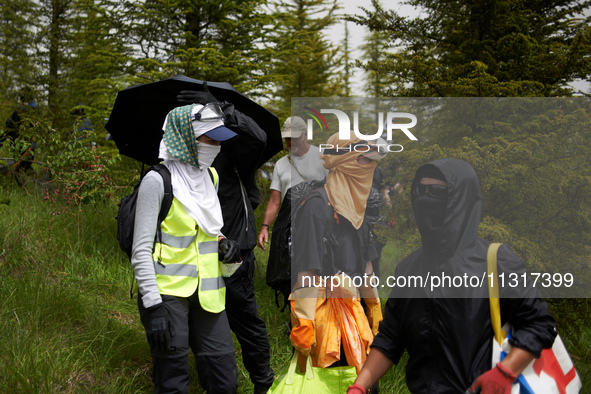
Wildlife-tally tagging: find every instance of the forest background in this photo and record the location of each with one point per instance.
(67, 323)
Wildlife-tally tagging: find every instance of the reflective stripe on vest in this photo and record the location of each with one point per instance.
(175, 270)
(186, 260)
(212, 283)
(184, 242)
(208, 247)
(176, 242)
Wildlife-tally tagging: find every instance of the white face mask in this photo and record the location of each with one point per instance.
(206, 153)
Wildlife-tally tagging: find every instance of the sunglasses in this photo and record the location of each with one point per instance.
(365, 147)
(435, 191)
(210, 112)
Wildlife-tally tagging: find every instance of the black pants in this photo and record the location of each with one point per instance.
(208, 335)
(249, 328)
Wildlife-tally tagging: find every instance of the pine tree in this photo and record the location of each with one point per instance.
(97, 60)
(214, 41)
(484, 47)
(375, 51)
(347, 73)
(19, 65)
(54, 37)
(307, 63)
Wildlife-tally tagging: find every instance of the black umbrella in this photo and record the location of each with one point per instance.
(139, 112)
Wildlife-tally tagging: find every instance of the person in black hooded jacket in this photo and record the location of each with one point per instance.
(447, 331)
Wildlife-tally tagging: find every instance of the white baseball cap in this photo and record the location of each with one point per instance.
(293, 127)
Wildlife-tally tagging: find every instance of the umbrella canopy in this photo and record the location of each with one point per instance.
(139, 112)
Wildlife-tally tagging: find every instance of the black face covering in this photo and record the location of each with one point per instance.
(429, 213)
(448, 224)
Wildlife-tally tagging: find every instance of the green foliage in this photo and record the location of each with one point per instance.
(347, 73)
(18, 66)
(222, 41)
(306, 64)
(71, 167)
(66, 319)
(94, 67)
(483, 48)
(375, 49)
(572, 323)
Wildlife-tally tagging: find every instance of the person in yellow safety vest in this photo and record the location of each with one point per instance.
(326, 310)
(179, 267)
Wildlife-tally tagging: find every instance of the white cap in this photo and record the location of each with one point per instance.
(293, 127)
(201, 128)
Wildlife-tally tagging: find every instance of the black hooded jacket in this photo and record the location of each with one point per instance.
(236, 165)
(447, 330)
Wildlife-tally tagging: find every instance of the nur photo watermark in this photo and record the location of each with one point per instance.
(534, 190)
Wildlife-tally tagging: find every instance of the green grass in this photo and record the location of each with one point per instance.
(66, 320)
(68, 324)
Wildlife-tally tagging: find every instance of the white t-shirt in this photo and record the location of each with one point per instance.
(309, 165)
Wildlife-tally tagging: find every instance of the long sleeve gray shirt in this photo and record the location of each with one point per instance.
(151, 193)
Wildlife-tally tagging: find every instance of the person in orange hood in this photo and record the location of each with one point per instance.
(331, 261)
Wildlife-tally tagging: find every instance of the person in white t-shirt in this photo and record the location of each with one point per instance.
(302, 164)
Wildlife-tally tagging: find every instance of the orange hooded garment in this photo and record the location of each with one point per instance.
(340, 319)
(348, 183)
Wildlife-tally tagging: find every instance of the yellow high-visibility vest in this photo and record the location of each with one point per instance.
(186, 259)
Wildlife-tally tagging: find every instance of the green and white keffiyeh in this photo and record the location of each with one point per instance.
(179, 135)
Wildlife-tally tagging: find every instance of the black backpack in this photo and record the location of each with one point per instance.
(280, 254)
(126, 214)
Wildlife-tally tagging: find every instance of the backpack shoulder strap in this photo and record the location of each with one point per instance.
(329, 211)
(493, 291)
(328, 238)
(167, 200)
(321, 193)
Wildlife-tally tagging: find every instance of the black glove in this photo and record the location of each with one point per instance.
(196, 97)
(159, 328)
(228, 251)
